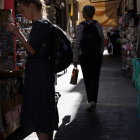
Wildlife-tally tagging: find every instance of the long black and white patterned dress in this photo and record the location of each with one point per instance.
(39, 112)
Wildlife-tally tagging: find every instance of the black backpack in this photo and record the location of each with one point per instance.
(91, 41)
(61, 53)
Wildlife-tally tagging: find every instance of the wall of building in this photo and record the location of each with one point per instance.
(138, 6)
(72, 16)
(64, 13)
(1, 4)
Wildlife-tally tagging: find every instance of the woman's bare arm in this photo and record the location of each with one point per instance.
(15, 30)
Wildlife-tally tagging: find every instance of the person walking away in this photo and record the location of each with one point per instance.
(39, 112)
(88, 50)
(115, 37)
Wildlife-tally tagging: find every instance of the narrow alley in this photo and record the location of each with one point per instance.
(116, 114)
(35, 35)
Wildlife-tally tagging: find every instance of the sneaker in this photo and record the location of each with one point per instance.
(91, 106)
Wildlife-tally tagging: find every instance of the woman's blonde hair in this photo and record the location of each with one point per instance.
(40, 5)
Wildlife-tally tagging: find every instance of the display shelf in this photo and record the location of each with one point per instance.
(7, 46)
(10, 74)
(128, 33)
(25, 26)
(11, 85)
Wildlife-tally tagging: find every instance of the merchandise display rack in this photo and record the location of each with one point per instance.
(11, 77)
(25, 27)
(129, 39)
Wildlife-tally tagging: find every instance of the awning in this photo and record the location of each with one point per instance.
(106, 12)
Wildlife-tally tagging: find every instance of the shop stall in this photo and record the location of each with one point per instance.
(128, 33)
(11, 80)
(11, 77)
(129, 30)
(129, 24)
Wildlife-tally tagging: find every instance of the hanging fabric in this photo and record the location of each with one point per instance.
(106, 12)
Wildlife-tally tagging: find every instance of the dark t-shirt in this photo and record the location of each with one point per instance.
(40, 34)
(91, 40)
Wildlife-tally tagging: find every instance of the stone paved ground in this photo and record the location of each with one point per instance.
(116, 115)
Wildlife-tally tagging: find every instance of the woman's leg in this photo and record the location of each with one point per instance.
(42, 136)
(45, 136)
